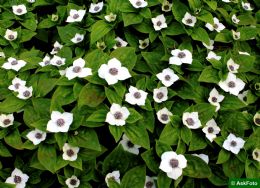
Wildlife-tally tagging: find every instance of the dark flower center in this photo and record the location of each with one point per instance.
(181, 55)
(26, 93)
(7, 121)
(75, 16)
(17, 85)
(167, 77)
(190, 121)
(79, 39)
(233, 143)
(231, 67)
(96, 8)
(118, 44)
(159, 23)
(231, 84)
(19, 10)
(160, 95)
(60, 122)
(144, 44)
(118, 115)
(59, 62)
(164, 117)
(56, 49)
(138, 3)
(256, 154)
(149, 184)
(14, 62)
(73, 182)
(215, 26)
(113, 71)
(17, 179)
(214, 99)
(174, 163)
(189, 21)
(137, 95)
(130, 144)
(166, 7)
(38, 135)
(210, 130)
(47, 62)
(76, 69)
(70, 152)
(245, 7)
(11, 37)
(257, 120)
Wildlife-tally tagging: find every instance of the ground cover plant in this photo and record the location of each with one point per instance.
(129, 93)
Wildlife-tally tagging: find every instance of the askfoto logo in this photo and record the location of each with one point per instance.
(244, 183)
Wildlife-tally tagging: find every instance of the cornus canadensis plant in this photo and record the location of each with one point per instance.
(129, 93)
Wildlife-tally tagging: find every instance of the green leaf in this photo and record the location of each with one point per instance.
(173, 29)
(123, 55)
(91, 95)
(196, 168)
(179, 9)
(47, 157)
(4, 152)
(99, 30)
(116, 131)
(233, 168)
(14, 140)
(150, 160)
(12, 104)
(223, 156)
(200, 34)
(153, 60)
(170, 135)
(197, 142)
(134, 116)
(209, 75)
(135, 177)
(206, 17)
(231, 102)
(163, 180)
(135, 132)
(186, 134)
(131, 18)
(162, 147)
(112, 96)
(98, 116)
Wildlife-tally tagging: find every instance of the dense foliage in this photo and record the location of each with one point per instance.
(129, 93)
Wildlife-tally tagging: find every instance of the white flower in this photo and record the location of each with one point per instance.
(215, 98)
(19, 9)
(18, 178)
(30, 1)
(191, 120)
(78, 70)
(212, 55)
(210, 46)
(167, 77)
(129, 146)
(257, 119)
(143, 43)
(95, 8)
(60, 122)
(25, 92)
(16, 84)
(70, 153)
(233, 143)
(56, 48)
(211, 130)
(256, 154)
(149, 182)
(232, 66)
(160, 94)
(136, 96)
(232, 84)
(114, 176)
(10, 35)
(46, 61)
(119, 43)
(159, 22)
(138, 3)
(76, 15)
(113, 71)
(217, 25)
(204, 157)
(242, 96)
(189, 20)
(180, 56)
(63, 72)
(57, 61)
(2, 55)
(247, 6)
(117, 115)
(243, 53)
(235, 19)
(6, 120)
(110, 17)
(226, 1)
(166, 6)
(36, 136)
(163, 115)
(72, 182)
(14, 64)
(236, 35)
(77, 38)
(172, 164)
